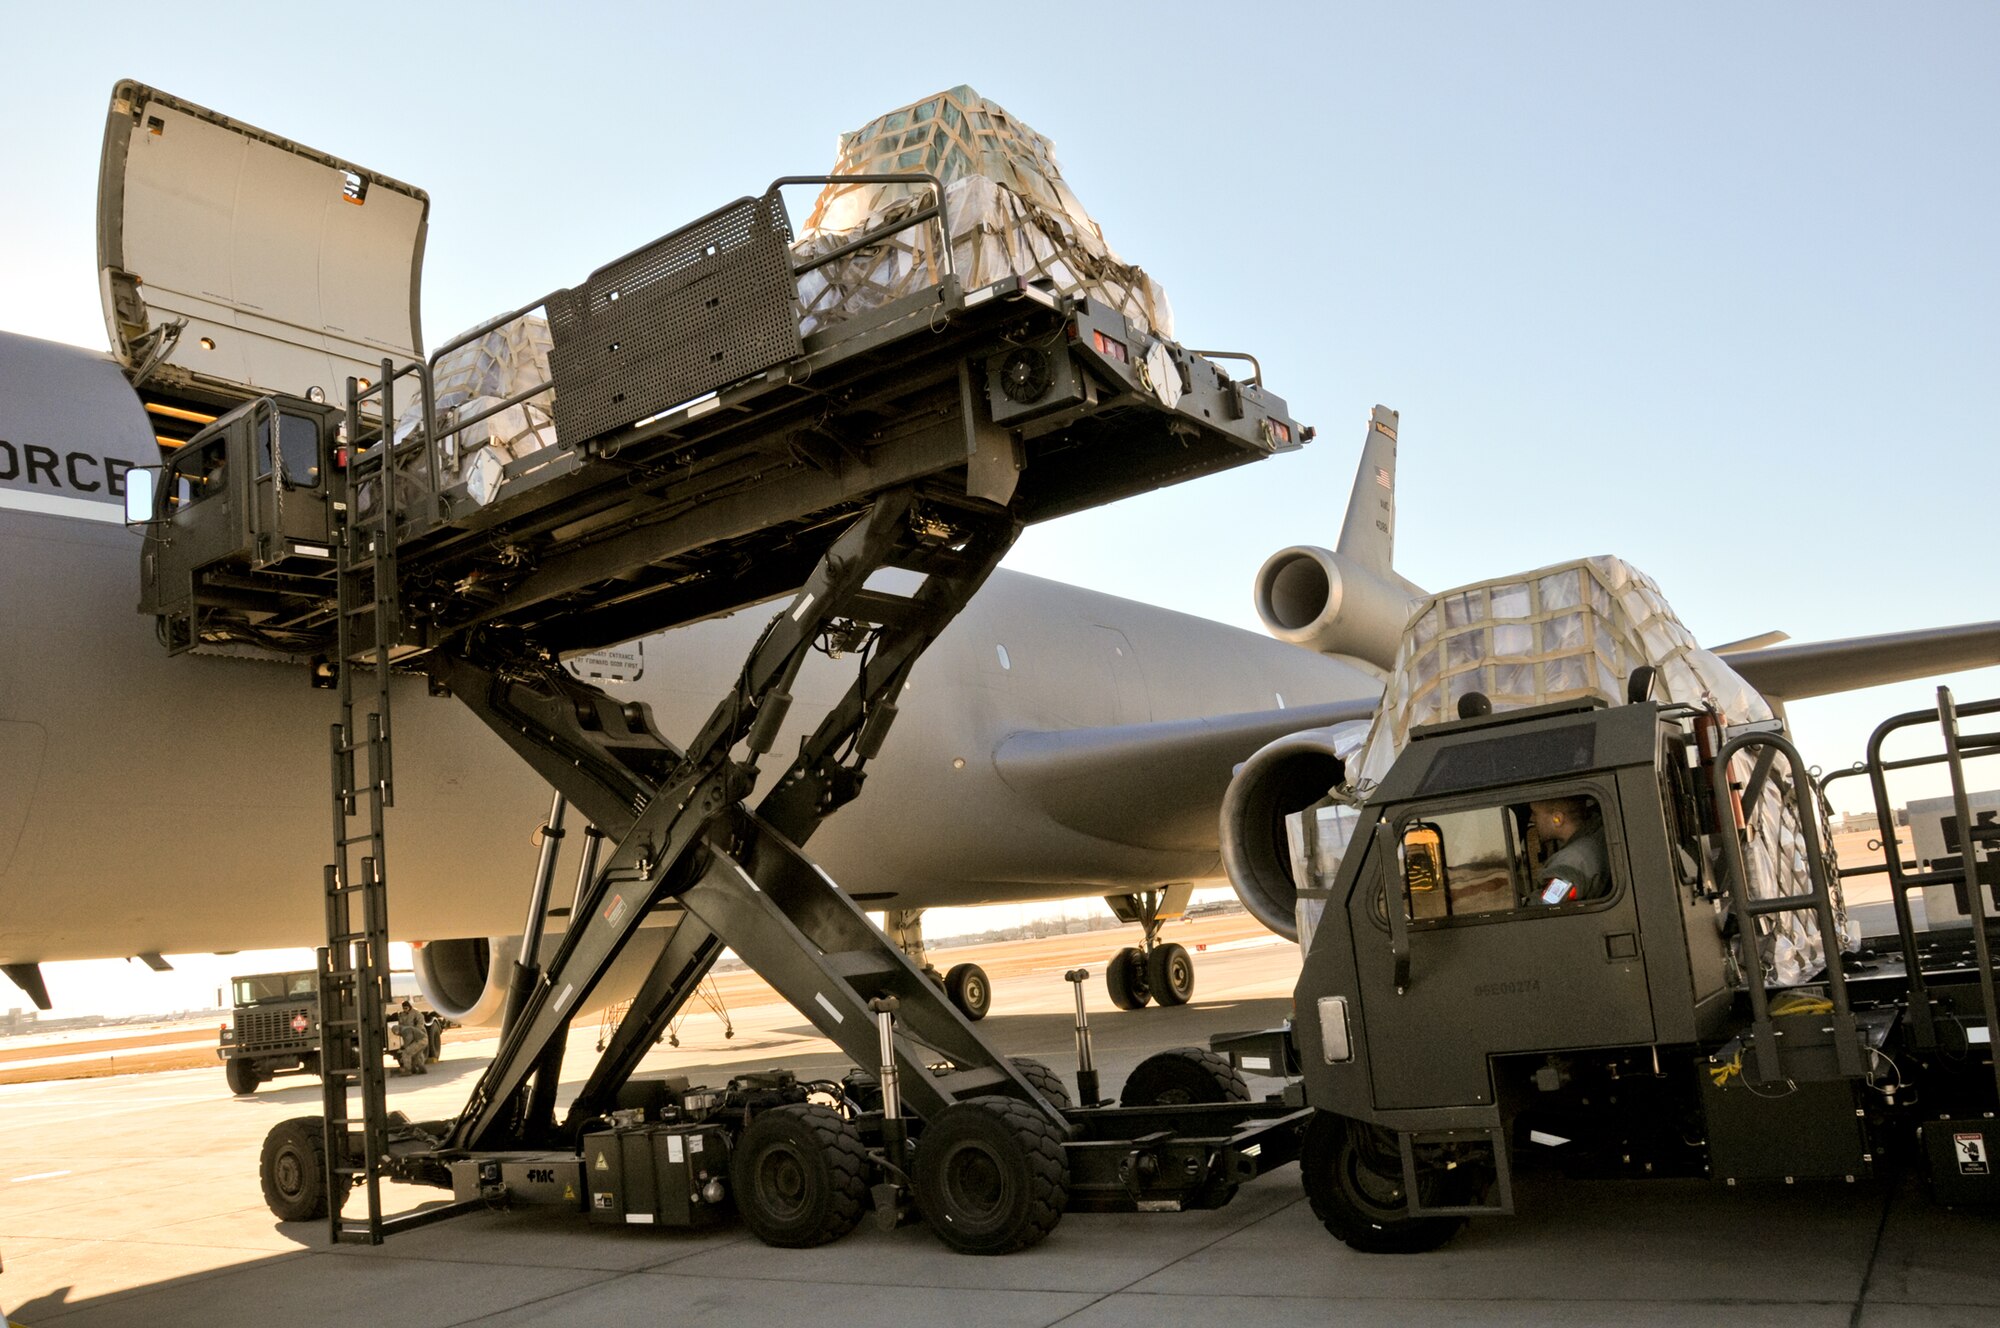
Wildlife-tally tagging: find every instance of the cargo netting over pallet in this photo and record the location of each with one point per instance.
(1577, 630)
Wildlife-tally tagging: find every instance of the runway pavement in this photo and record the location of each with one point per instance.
(134, 1201)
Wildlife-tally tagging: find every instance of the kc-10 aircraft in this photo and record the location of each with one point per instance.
(1055, 741)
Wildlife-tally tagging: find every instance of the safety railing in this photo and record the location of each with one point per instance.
(443, 434)
(1905, 876)
(1748, 909)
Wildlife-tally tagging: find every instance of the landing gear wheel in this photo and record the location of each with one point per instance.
(991, 1177)
(1170, 974)
(801, 1176)
(1125, 978)
(1046, 1081)
(293, 1170)
(1353, 1176)
(242, 1076)
(967, 988)
(1181, 1076)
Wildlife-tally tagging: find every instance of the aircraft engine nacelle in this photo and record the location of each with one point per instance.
(465, 978)
(1282, 779)
(1326, 601)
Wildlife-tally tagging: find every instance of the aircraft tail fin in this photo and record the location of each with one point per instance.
(1348, 600)
(1368, 535)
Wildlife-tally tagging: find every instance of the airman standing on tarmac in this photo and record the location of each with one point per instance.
(416, 1040)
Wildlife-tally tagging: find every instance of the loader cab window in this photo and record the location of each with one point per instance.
(298, 446)
(1527, 857)
(196, 473)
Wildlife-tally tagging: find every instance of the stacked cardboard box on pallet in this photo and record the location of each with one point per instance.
(1577, 630)
(1010, 212)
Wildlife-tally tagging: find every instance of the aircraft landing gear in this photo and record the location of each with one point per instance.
(1151, 971)
(1125, 978)
(965, 986)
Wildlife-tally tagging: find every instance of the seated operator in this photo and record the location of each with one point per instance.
(1580, 865)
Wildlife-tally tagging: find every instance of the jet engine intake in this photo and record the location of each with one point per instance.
(1326, 601)
(1282, 779)
(465, 978)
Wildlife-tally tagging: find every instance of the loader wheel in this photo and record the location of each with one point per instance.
(966, 987)
(242, 1076)
(1125, 978)
(1353, 1176)
(801, 1176)
(1181, 1076)
(1170, 974)
(1185, 1075)
(991, 1177)
(1046, 1081)
(293, 1169)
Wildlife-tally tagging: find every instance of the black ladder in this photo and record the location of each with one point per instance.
(354, 965)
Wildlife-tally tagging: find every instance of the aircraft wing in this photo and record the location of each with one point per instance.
(1154, 785)
(1792, 673)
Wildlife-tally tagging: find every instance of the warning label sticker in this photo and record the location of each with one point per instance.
(615, 910)
(602, 1165)
(1970, 1150)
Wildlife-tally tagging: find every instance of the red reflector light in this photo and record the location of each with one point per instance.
(1111, 350)
(1281, 431)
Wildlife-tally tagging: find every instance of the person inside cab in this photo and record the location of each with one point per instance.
(1578, 863)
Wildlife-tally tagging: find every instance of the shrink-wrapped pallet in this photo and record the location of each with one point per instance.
(1009, 209)
(509, 359)
(1578, 630)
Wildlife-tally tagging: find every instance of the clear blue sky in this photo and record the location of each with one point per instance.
(1709, 287)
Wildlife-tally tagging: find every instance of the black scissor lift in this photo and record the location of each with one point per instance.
(711, 458)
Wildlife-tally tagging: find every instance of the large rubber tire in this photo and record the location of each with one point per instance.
(292, 1169)
(801, 1176)
(1125, 979)
(1185, 1075)
(242, 1076)
(1046, 1081)
(1353, 1177)
(991, 1177)
(1170, 974)
(966, 987)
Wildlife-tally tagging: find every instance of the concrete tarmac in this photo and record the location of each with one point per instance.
(134, 1201)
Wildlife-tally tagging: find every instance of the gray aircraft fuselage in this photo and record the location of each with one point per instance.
(181, 804)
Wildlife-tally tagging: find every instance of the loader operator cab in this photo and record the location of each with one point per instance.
(247, 504)
(1520, 882)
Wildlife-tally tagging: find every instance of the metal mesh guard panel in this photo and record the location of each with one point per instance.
(711, 303)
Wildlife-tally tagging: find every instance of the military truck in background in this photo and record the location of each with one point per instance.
(275, 1028)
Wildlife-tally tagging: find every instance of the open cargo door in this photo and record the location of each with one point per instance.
(233, 262)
